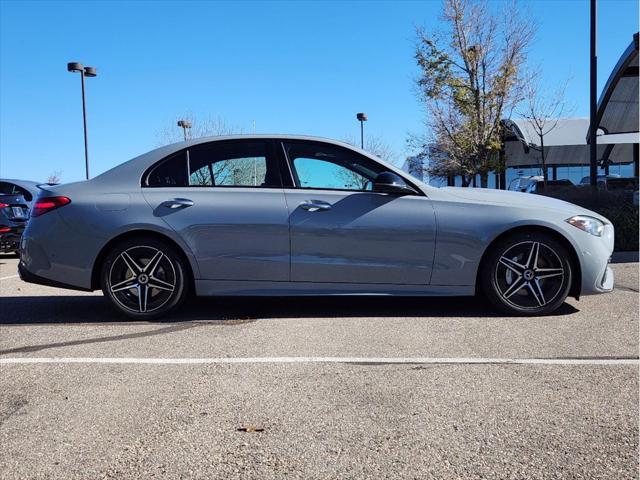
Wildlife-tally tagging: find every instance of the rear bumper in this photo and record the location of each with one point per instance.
(27, 276)
(10, 242)
(56, 255)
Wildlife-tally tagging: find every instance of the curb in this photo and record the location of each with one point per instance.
(624, 257)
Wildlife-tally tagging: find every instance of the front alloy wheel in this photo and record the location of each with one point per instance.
(144, 278)
(528, 274)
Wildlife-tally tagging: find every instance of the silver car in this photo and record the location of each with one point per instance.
(293, 215)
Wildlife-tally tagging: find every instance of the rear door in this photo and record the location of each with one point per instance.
(226, 200)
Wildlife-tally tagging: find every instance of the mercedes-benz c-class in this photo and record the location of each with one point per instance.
(292, 215)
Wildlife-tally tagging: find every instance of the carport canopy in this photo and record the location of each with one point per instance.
(618, 104)
(566, 144)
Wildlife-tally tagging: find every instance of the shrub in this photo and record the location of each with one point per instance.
(617, 206)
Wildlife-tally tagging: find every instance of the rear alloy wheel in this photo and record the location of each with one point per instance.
(527, 274)
(144, 278)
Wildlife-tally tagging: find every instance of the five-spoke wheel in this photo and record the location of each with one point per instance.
(527, 273)
(144, 278)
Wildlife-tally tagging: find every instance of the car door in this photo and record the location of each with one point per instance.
(225, 199)
(342, 231)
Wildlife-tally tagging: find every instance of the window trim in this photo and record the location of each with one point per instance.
(296, 180)
(270, 159)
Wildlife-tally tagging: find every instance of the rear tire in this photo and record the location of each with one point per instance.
(144, 278)
(527, 274)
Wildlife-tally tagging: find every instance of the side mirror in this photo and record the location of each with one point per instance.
(389, 182)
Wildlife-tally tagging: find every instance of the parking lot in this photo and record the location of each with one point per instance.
(317, 388)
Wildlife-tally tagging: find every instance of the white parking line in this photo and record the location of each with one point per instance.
(10, 276)
(356, 360)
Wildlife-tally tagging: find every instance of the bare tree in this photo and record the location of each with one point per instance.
(375, 145)
(55, 177)
(470, 79)
(543, 109)
(200, 127)
(235, 171)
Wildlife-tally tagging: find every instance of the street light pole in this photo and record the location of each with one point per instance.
(84, 124)
(89, 72)
(593, 98)
(184, 124)
(362, 117)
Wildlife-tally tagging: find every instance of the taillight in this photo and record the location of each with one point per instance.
(2, 205)
(46, 204)
(4, 229)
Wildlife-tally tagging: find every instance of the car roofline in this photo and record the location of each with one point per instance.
(146, 160)
(18, 181)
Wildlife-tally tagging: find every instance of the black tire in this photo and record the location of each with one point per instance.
(527, 273)
(136, 287)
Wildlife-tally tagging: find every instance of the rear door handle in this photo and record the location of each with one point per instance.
(177, 203)
(315, 205)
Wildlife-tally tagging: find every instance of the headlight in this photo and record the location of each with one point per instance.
(588, 224)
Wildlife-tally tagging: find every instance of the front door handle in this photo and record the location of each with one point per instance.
(315, 205)
(177, 203)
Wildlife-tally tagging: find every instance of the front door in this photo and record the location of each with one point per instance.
(226, 201)
(343, 232)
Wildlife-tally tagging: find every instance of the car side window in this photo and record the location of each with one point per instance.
(240, 164)
(328, 167)
(170, 172)
(217, 164)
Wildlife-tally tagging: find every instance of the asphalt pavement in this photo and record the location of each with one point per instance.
(318, 388)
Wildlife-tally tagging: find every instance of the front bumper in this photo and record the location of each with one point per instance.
(606, 282)
(595, 252)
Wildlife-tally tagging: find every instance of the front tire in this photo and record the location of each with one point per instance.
(144, 278)
(527, 273)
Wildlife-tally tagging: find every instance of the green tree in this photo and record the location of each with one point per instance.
(470, 79)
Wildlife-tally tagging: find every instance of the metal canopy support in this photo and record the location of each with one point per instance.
(503, 169)
(593, 98)
(606, 162)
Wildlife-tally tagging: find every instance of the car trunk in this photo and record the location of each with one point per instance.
(14, 207)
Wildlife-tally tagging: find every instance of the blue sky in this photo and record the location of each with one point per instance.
(290, 67)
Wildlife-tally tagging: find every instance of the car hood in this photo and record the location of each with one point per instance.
(505, 197)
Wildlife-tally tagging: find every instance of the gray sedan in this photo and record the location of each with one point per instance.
(292, 215)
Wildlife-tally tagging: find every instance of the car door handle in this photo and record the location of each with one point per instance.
(315, 205)
(177, 203)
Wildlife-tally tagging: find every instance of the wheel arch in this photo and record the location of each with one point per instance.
(97, 265)
(576, 281)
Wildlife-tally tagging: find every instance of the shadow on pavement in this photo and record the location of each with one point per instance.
(238, 310)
